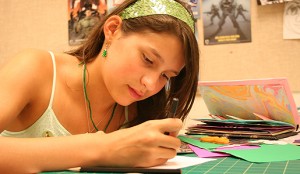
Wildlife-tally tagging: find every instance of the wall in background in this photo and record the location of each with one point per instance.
(32, 24)
(43, 24)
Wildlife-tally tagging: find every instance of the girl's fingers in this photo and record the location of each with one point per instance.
(170, 125)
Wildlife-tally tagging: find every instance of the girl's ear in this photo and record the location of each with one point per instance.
(112, 26)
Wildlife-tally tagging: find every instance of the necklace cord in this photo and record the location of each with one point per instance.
(111, 117)
(86, 97)
(89, 104)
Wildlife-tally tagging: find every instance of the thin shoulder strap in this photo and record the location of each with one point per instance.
(54, 79)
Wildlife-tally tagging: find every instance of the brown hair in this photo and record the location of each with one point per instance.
(183, 86)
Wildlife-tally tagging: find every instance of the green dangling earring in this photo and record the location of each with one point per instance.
(104, 53)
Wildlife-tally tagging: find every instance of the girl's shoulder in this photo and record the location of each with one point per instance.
(28, 58)
(27, 68)
(32, 57)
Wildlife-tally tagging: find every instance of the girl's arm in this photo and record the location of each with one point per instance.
(140, 146)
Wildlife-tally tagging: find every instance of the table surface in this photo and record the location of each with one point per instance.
(231, 165)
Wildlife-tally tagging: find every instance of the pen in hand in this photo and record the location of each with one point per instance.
(173, 108)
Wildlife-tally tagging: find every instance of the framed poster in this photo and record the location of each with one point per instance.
(117, 2)
(195, 7)
(291, 22)
(83, 16)
(269, 2)
(226, 21)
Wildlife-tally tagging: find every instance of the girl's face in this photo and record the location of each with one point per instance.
(139, 65)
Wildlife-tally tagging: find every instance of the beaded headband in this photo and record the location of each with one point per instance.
(152, 7)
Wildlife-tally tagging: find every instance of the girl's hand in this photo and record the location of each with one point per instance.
(148, 144)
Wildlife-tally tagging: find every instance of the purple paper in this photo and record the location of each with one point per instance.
(297, 141)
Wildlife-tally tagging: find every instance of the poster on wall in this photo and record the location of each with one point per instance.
(291, 20)
(269, 2)
(112, 4)
(195, 7)
(117, 2)
(83, 16)
(226, 21)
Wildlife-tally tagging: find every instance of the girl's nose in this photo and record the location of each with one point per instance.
(150, 81)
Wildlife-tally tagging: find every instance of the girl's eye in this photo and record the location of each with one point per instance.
(165, 76)
(148, 60)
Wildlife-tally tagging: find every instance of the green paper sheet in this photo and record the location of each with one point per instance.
(267, 153)
(198, 143)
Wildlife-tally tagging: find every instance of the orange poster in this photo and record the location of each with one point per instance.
(83, 16)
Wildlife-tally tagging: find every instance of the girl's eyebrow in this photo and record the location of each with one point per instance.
(156, 54)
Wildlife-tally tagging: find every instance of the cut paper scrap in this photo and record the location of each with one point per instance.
(179, 162)
(198, 143)
(297, 141)
(267, 153)
(203, 153)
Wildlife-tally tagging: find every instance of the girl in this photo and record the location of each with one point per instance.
(106, 102)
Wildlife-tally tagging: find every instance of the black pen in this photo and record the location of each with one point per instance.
(173, 108)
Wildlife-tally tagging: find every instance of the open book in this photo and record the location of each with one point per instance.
(260, 108)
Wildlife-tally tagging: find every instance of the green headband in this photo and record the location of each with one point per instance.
(153, 7)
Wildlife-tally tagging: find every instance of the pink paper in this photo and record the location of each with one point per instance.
(203, 153)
